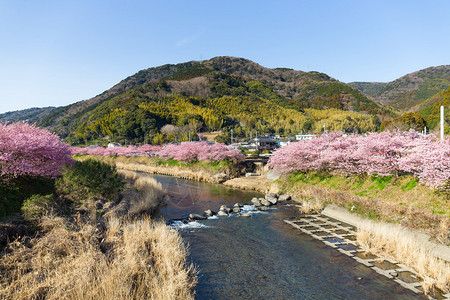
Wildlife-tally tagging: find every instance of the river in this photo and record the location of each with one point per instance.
(262, 257)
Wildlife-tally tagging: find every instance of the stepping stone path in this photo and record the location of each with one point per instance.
(342, 237)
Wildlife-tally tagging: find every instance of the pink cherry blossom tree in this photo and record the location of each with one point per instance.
(26, 150)
(382, 153)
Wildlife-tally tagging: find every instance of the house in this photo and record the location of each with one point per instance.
(113, 145)
(286, 142)
(263, 144)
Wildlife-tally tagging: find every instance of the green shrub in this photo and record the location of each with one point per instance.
(90, 178)
(14, 194)
(37, 205)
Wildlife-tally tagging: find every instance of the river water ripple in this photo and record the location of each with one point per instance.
(262, 257)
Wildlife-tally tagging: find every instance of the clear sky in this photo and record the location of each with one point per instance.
(57, 52)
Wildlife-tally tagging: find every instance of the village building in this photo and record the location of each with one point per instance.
(113, 145)
(285, 142)
(263, 144)
(301, 137)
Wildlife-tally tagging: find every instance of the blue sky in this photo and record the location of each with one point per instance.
(55, 53)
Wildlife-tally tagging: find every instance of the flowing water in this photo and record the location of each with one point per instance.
(262, 257)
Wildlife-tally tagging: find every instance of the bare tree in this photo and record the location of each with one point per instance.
(170, 129)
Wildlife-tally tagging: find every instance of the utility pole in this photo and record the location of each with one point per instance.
(442, 122)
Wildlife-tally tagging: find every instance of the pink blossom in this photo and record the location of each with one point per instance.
(194, 151)
(28, 150)
(382, 153)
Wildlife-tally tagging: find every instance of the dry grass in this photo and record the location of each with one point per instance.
(257, 183)
(148, 196)
(310, 206)
(199, 175)
(132, 260)
(402, 245)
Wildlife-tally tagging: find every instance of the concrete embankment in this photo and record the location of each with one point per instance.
(438, 250)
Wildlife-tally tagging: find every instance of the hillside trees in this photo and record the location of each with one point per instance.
(237, 103)
(405, 122)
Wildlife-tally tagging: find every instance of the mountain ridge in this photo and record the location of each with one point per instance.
(407, 92)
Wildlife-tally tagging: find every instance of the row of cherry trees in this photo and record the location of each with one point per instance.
(198, 151)
(26, 150)
(382, 153)
(145, 150)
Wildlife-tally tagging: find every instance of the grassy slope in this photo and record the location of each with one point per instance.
(400, 200)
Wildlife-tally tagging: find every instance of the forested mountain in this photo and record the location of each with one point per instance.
(430, 109)
(410, 90)
(31, 114)
(428, 115)
(221, 93)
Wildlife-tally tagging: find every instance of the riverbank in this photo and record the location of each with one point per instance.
(95, 247)
(213, 172)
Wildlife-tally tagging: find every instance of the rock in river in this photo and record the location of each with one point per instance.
(256, 202)
(284, 198)
(236, 209)
(225, 208)
(196, 217)
(209, 213)
(222, 213)
(264, 202)
(272, 198)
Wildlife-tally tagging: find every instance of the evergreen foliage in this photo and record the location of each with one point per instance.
(222, 93)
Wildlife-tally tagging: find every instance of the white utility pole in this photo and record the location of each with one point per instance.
(442, 122)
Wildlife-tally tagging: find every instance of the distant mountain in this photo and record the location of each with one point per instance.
(369, 88)
(410, 90)
(224, 92)
(31, 114)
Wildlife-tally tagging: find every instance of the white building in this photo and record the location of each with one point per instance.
(301, 137)
(113, 145)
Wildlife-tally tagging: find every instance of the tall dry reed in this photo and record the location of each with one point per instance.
(149, 193)
(199, 175)
(132, 260)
